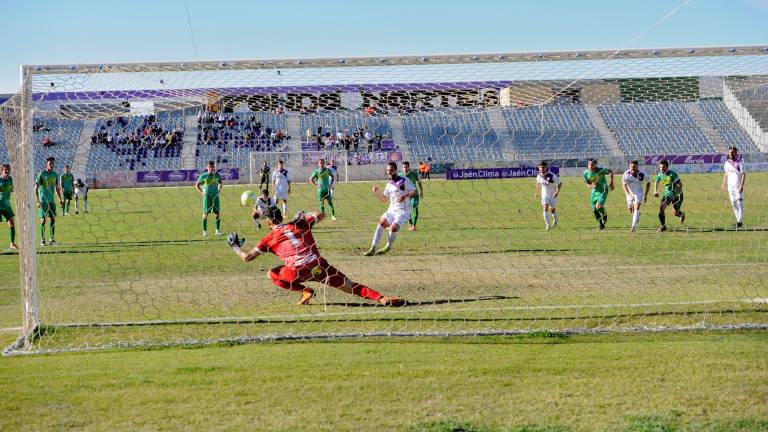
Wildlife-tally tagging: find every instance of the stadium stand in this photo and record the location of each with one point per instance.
(647, 128)
(451, 135)
(62, 136)
(138, 143)
(345, 130)
(229, 138)
(725, 124)
(562, 130)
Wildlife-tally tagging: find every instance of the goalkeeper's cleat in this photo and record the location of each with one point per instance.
(662, 229)
(218, 233)
(205, 234)
(306, 296)
(383, 250)
(392, 301)
(370, 252)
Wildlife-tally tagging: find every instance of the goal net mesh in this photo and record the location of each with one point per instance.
(136, 270)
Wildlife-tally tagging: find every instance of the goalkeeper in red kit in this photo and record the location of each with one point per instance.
(294, 244)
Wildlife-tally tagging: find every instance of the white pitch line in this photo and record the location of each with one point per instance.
(10, 329)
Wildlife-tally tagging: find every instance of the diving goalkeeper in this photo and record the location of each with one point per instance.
(294, 244)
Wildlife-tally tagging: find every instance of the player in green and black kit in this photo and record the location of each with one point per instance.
(322, 178)
(211, 188)
(67, 189)
(413, 176)
(6, 212)
(594, 177)
(672, 194)
(46, 185)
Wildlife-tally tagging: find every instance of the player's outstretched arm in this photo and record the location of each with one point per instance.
(647, 188)
(375, 190)
(236, 243)
(743, 179)
(610, 171)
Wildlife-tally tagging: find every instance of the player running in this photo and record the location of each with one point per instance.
(322, 178)
(281, 183)
(210, 191)
(397, 192)
(673, 193)
(260, 206)
(413, 176)
(594, 177)
(293, 243)
(6, 212)
(633, 181)
(81, 191)
(46, 184)
(67, 188)
(734, 177)
(548, 185)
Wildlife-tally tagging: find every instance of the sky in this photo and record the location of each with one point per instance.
(40, 32)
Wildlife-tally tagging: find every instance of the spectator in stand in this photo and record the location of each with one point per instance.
(369, 110)
(347, 142)
(424, 170)
(48, 142)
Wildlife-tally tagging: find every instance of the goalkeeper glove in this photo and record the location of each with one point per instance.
(235, 241)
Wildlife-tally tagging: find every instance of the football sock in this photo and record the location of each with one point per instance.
(42, 231)
(546, 218)
(13, 234)
(205, 224)
(285, 209)
(333, 210)
(67, 204)
(53, 229)
(662, 219)
(635, 218)
(218, 223)
(365, 292)
(414, 216)
(556, 214)
(740, 211)
(597, 215)
(391, 238)
(603, 215)
(76, 207)
(322, 207)
(377, 235)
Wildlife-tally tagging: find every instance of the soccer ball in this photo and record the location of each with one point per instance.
(247, 198)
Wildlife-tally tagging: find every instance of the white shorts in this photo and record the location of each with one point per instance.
(396, 217)
(735, 195)
(550, 201)
(80, 193)
(632, 199)
(281, 194)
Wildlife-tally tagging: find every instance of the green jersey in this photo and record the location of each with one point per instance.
(413, 176)
(46, 186)
(6, 187)
(597, 178)
(68, 182)
(323, 176)
(209, 183)
(671, 182)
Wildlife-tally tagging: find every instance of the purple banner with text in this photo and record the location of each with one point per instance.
(686, 159)
(177, 176)
(494, 173)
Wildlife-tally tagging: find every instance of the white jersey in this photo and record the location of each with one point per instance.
(549, 183)
(733, 171)
(281, 179)
(335, 175)
(81, 191)
(396, 188)
(636, 182)
(262, 204)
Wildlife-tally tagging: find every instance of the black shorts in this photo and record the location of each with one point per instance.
(676, 201)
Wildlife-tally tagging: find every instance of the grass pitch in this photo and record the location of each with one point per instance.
(480, 261)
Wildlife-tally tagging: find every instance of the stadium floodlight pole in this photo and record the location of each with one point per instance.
(18, 112)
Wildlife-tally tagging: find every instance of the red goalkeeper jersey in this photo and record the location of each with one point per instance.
(292, 242)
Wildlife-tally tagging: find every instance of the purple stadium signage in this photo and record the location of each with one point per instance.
(377, 158)
(179, 176)
(494, 173)
(686, 159)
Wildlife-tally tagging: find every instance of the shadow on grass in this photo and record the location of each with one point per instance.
(428, 302)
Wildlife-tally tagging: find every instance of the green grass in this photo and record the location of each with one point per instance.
(639, 382)
(480, 261)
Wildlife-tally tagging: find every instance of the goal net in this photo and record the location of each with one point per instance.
(140, 265)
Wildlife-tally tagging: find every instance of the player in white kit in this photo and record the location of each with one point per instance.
(281, 182)
(734, 178)
(636, 185)
(548, 185)
(81, 191)
(398, 192)
(260, 206)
